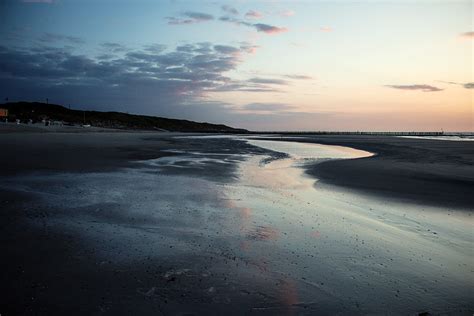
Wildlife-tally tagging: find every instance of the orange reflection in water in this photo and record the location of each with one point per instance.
(244, 213)
(287, 289)
(289, 295)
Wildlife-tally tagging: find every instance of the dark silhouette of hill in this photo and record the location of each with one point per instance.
(37, 111)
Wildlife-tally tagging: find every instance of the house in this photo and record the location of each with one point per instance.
(3, 113)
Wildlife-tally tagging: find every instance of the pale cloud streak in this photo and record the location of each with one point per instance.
(266, 107)
(249, 48)
(260, 27)
(419, 87)
(230, 10)
(269, 29)
(299, 77)
(114, 47)
(251, 14)
(190, 17)
(469, 35)
(268, 81)
(287, 13)
(467, 85)
(54, 37)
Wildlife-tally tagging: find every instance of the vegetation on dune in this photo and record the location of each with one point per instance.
(37, 111)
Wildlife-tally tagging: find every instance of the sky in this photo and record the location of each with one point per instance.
(262, 65)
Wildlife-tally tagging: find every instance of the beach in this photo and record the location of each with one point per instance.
(172, 223)
(434, 172)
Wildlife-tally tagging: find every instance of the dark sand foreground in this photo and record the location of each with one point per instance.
(77, 236)
(52, 269)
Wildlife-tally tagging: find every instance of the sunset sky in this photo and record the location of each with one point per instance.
(261, 65)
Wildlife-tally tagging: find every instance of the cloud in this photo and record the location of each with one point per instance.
(421, 87)
(230, 19)
(249, 48)
(245, 86)
(287, 13)
(269, 29)
(154, 48)
(251, 14)
(202, 48)
(105, 56)
(468, 85)
(268, 81)
(260, 27)
(114, 47)
(266, 107)
(224, 49)
(190, 17)
(298, 77)
(197, 17)
(469, 35)
(172, 82)
(230, 10)
(54, 37)
(325, 29)
(177, 21)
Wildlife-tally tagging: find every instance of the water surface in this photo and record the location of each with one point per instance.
(341, 249)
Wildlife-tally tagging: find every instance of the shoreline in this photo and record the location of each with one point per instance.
(432, 172)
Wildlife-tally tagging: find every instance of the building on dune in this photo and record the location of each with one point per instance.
(3, 113)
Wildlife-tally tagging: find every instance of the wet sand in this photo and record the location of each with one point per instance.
(153, 223)
(97, 223)
(353, 251)
(427, 171)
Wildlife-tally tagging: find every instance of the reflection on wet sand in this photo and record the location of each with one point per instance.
(289, 295)
(339, 252)
(286, 287)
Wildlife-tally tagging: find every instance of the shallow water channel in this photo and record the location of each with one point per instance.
(339, 251)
